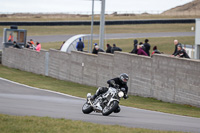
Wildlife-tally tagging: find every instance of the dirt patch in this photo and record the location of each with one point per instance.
(191, 8)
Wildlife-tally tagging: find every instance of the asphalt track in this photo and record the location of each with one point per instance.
(22, 100)
(57, 38)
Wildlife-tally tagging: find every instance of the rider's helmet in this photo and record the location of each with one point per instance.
(124, 78)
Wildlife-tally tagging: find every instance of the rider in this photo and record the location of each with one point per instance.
(118, 82)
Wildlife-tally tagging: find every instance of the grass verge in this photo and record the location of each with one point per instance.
(71, 30)
(25, 124)
(81, 91)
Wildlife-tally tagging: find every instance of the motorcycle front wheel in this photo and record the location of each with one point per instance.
(87, 108)
(109, 109)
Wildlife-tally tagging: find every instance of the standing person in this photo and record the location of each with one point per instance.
(94, 51)
(10, 38)
(134, 51)
(181, 52)
(109, 48)
(155, 50)
(147, 46)
(80, 45)
(176, 44)
(115, 48)
(38, 46)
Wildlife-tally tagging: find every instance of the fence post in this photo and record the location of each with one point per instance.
(46, 63)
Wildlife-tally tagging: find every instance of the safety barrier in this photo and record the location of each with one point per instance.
(114, 22)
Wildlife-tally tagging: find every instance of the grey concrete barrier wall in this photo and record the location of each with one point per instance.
(25, 59)
(163, 77)
(176, 80)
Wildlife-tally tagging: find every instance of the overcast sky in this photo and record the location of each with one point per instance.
(55, 6)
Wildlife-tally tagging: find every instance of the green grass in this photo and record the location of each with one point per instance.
(81, 91)
(164, 44)
(71, 30)
(25, 124)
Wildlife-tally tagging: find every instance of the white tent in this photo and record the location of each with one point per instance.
(70, 44)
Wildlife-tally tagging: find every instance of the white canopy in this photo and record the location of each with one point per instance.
(70, 44)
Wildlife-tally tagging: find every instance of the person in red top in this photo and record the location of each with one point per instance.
(38, 47)
(10, 38)
(31, 41)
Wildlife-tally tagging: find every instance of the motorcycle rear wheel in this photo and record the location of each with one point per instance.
(87, 108)
(109, 109)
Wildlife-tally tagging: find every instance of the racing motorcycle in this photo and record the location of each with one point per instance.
(105, 103)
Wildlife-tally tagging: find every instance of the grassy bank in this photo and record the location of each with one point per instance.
(164, 44)
(71, 17)
(81, 91)
(140, 28)
(24, 124)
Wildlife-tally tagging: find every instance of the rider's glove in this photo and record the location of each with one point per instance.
(116, 86)
(125, 96)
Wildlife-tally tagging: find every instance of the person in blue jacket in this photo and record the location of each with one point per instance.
(80, 45)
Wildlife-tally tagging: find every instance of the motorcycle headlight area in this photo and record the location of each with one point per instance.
(121, 94)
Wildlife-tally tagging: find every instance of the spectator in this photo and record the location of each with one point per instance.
(155, 50)
(176, 43)
(38, 46)
(31, 41)
(62, 45)
(147, 46)
(80, 45)
(94, 51)
(10, 38)
(109, 48)
(28, 45)
(115, 48)
(141, 51)
(98, 49)
(15, 45)
(134, 51)
(181, 52)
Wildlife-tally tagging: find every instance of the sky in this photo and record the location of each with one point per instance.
(85, 6)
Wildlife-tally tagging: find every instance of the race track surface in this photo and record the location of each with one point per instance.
(17, 99)
(57, 38)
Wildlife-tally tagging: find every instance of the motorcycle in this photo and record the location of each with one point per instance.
(105, 103)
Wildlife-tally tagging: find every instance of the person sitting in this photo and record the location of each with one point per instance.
(15, 45)
(181, 52)
(118, 82)
(155, 50)
(176, 44)
(31, 41)
(115, 48)
(38, 46)
(109, 49)
(94, 51)
(141, 51)
(98, 49)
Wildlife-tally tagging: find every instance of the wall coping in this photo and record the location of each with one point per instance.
(178, 58)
